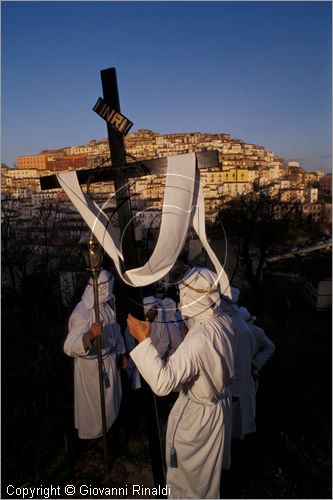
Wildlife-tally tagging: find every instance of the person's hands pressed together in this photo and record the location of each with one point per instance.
(96, 330)
(140, 330)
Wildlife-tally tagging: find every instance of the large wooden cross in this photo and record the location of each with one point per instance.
(119, 172)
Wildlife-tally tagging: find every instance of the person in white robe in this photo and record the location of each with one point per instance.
(80, 344)
(153, 310)
(201, 368)
(171, 325)
(242, 387)
(263, 346)
(165, 333)
(133, 374)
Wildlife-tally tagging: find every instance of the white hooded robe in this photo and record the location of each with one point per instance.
(243, 386)
(87, 407)
(200, 368)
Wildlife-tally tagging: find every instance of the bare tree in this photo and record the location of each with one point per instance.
(37, 242)
(259, 222)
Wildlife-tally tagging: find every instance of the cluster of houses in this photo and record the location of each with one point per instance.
(241, 168)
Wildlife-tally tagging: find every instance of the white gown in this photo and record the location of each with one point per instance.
(132, 371)
(263, 349)
(201, 368)
(87, 407)
(243, 386)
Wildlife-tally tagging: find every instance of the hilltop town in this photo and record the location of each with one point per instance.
(241, 168)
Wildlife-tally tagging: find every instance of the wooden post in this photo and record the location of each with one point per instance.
(92, 252)
(133, 295)
(100, 375)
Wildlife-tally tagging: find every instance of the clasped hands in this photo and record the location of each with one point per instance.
(140, 330)
(96, 330)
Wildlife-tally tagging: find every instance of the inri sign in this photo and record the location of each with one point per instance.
(116, 119)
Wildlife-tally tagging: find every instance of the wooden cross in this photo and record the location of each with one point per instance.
(119, 173)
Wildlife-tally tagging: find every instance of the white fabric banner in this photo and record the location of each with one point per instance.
(183, 204)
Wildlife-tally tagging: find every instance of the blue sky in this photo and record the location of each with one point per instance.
(260, 71)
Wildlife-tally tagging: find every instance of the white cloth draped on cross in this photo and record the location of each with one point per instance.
(183, 205)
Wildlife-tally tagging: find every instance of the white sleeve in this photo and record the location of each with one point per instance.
(73, 345)
(164, 377)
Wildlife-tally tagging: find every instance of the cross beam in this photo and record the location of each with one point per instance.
(157, 166)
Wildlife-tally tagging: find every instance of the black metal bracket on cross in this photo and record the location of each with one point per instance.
(119, 172)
